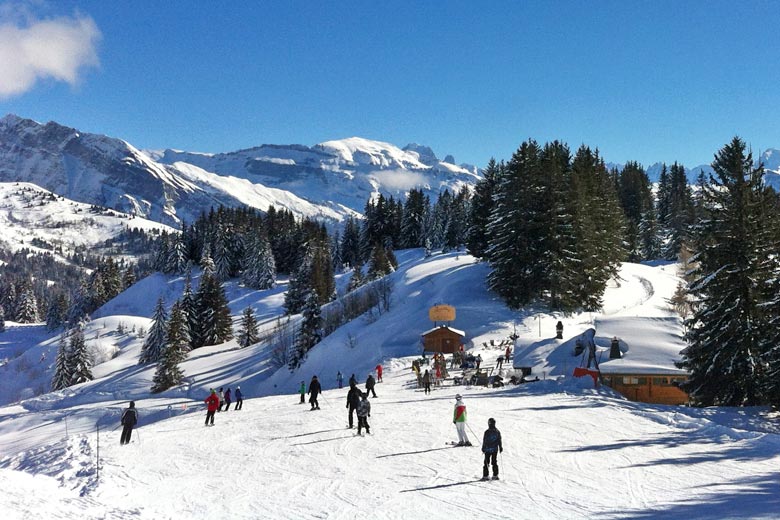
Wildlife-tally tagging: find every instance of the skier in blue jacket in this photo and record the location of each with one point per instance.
(491, 447)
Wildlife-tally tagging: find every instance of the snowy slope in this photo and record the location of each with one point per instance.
(36, 219)
(571, 451)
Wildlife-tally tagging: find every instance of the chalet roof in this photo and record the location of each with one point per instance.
(649, 345)
(456, 331)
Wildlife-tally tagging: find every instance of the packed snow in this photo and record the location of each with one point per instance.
(570, 450)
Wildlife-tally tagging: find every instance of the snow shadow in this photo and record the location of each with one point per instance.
(755, 497)
(324, 440)
(441, 486)
(412, 452)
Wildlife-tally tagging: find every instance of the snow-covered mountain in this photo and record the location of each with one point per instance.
(39, 220)
(327, 181)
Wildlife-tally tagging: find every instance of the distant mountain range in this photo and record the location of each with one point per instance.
(327, 181)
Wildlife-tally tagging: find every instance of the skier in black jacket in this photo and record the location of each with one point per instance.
(314, 391)
(353, 400)
(370, 382)
(129, 420)
(491, 447)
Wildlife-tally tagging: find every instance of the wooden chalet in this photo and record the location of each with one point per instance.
(646, 370)
(442, 339)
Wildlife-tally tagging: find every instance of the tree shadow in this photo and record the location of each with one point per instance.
(305, 434)
(323, 440)
(754, 497)
(412, 452)
(441, 486)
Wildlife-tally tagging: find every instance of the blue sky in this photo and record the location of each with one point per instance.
(647, 81)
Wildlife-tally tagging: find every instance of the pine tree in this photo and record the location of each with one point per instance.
(481, 206)
(248, 334)
(79, 362)
(413, 219)
(299, 286)
(57, 312)
(2, 319)
(177, 256)
(214, 324)
(350, 243)
(189, 308)
(168, 373)
(728, 329)
(62, 371)
(27, 309)
(153, 347)
(310, 332)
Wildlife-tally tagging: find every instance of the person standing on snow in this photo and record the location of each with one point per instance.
(479, 361)
(459, 420)
(129, 420)
(221, 399)
(339, 379)
(379, 373)
(491, 446)
(426, 378)
(314, 391)
(353, 400)
(352, 380)
(227, 400)
(507, 353)
(212, 405)
(370, 382)
(239, 399)
(363, 412)
(302, 391)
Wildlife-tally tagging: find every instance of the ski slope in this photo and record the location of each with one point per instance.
(571, 451)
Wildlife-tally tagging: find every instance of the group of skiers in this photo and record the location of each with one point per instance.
(357, 404)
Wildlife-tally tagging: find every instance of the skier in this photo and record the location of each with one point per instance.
(427, 381)
(559, 330)
(353, 400)
(478, 361)
(227, 400)
(491, 446)
(339, 379)
(352, 380)
(379, 373)
(507, 353)
(370, 382)
(212, 405)
(221, 399)
(363, 411)
(459, 420)
(129, 420)
(499, 362)
(314, 390)
(302, 391)
(239, 399)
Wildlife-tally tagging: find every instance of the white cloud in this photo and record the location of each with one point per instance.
(57, 48)
(402, 180)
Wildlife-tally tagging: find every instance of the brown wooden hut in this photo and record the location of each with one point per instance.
(442, 339)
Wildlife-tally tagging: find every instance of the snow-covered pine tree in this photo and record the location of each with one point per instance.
(153, 347)
(350, 243)
(479, 213)
(300, 284)
(2, 319)
(168, 373)
(649, 236)
(729, 329)
(248, 334)
(178, 257)
(562, 263)
(516, 229)
(413, 219)
(214, 324)
(206, 263)
(223, 260)
(62, 371)
(636, 199)
(189, 308)
(680, 211)
(259, 266)
(79, 361)
(27, 309)
(57, 312)
(356, 280)
(379, 263)
(310, 332)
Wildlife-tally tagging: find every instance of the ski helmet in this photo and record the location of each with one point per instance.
(458, 397)
(491, 422)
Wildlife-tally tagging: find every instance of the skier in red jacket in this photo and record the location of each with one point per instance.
(212, 405)
(379, 373)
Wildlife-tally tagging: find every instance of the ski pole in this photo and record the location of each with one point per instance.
(474, 434)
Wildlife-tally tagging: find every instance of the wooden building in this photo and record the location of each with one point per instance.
(650, 347)
(442, 339)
